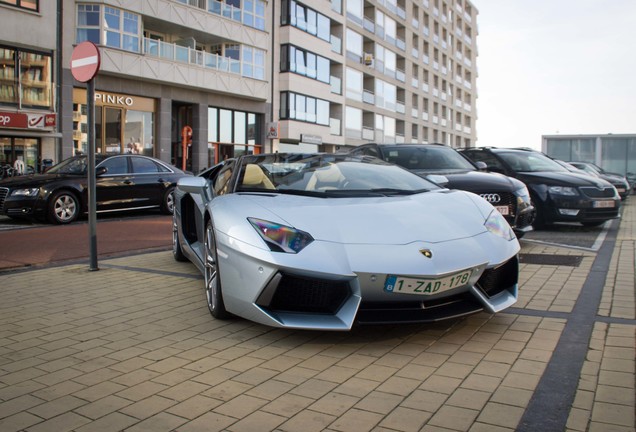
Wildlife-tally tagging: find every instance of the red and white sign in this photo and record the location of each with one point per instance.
(27, 121)
(85, 61)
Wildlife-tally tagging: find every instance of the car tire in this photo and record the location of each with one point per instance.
(64, 207)
(167, 203)
(539, 217)
(213, 291)
(177, 252)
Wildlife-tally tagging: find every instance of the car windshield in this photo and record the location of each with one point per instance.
(530, 161)
(430, 158)
(327, 175)
(74, 165)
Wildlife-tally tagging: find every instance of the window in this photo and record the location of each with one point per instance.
(294, 59)
(353, 122)
(115, 165)
(354, 43)
(254, 13)
(354, 10)
(145, 166)
(354, 84)
(33, 5)
(296, 106)
(108, 26)
(25, 78)
(253, 63)
(306, 19)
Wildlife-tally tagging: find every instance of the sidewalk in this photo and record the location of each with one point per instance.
(133, 347)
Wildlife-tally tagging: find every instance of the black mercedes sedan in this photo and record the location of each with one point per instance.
(558, 194)
(447, 167)
(60, 195)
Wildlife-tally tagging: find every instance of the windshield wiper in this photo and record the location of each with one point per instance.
(392, 191)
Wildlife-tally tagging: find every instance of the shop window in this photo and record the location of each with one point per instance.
(25, 78)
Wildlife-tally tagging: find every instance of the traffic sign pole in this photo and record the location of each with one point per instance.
(85, 62)
(92, 200)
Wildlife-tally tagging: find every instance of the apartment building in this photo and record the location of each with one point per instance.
(241, 75)
(28, 121)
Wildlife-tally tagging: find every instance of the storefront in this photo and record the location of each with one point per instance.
(123, 123)
(232, 133)
(27, 141)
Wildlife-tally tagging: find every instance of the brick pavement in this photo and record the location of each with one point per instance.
(132, 347)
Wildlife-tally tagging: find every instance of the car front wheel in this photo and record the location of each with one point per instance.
(213, 290)
(64, 207)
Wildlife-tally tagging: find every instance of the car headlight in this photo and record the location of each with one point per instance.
(563, 190)
(522, 194)
(496, 224)
(30, 192)
(281, 238)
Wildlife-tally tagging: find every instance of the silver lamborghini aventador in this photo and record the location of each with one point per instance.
(323, 241)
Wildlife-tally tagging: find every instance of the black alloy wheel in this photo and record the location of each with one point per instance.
(213, 290)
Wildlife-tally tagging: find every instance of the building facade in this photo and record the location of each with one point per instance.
(236, 76)
(612, 152)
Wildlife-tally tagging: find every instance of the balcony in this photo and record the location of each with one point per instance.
(400, 76)
(414, 112)
(181, 54)
(414, 82)
(425, 116)
(368, 134)
(336, 44)
(368, 25)
(400, 108)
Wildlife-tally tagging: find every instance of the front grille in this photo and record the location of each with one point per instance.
(495, 280)
(592, 192)
(505, 199)
(3, 196)
(299, 294)
(418, 311)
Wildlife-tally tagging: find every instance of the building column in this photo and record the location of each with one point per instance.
(163, 128)
(199, 150)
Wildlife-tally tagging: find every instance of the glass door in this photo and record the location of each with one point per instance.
(112, 138)
(26, 151)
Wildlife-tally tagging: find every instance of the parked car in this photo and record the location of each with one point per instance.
(506, 194)
(123, 182)
(321, 241)
(619, 181)
(558, 195)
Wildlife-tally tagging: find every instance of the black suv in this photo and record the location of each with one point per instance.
(559, 195)
(506, 194)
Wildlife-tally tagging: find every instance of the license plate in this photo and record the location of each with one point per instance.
(504, 210)
(426, 286)
(603, 204)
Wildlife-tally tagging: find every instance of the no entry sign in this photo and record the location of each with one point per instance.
(85, 61)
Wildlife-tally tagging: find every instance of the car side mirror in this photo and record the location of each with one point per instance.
(192, 184)
(100, 171)
(481, 166)
(439, 180)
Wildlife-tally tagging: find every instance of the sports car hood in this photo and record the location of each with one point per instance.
(431, 217)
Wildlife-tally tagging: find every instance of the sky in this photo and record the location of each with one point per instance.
(548, 67)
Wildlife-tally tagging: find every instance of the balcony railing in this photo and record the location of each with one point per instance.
(399, 107)
(336, 44)
(368, 133)
(334, 126)
(336, 84)
(414, 112)
(181, 54)
(368, 97)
